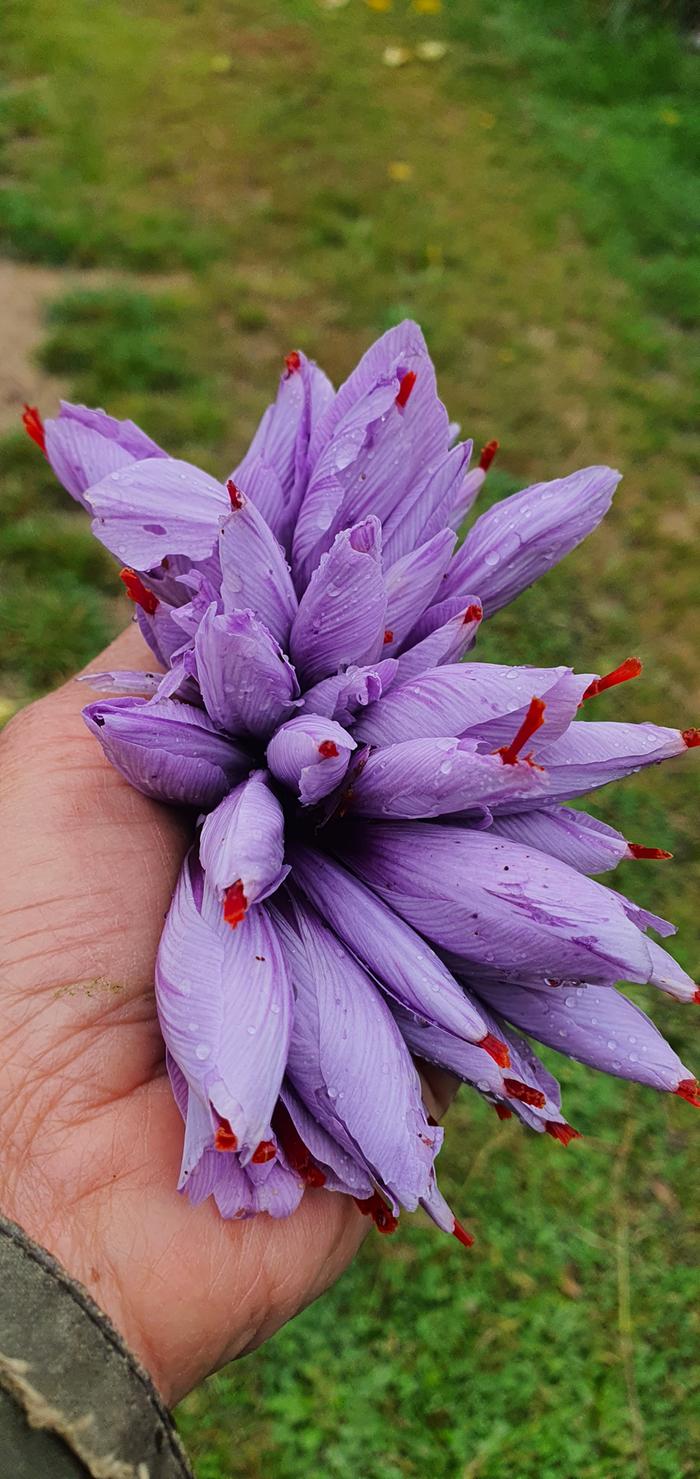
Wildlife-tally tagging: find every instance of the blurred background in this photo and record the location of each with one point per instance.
(190, 188)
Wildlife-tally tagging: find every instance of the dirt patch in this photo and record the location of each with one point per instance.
(24, 293)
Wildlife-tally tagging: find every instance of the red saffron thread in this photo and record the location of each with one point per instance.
(636, 850)
(376, 1208)
(534, 719)
(224, 1138)
(235, 903)
(138, 592)
(630, 668)
(495, 1049)
(34, 426)
(561, 1132)
(234, 493)
(487, 455)
(524, 1093)
(328, 749)
(406, 385)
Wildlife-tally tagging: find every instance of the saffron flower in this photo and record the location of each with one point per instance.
(385, 866)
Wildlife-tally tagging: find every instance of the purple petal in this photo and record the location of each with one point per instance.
(161, 632)
(343, 1172)
(596, 1025)
(449, 642)
(225, 1007)
(242, 841)
(310, 755)
(280, 1194)
(437, 615)
(481, 699)
(248, 685)
(643, 918)
(123, 680)
(255, 574)
(155, 508)
(429, 506)
(384, 429)
(503, 909)
(526, 1068)
(360, 436)
(591, 754)
(406, 967)
(168, 750)
(343, 694)
(377, 365)
(429, 778)
(341, 616)
(83, 446)
(576, 838)
(517, 540)
(435, 1044)
(411, 584)
(349, 1065)
(273, 471)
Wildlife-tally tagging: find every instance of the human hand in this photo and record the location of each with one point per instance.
(91, 1135)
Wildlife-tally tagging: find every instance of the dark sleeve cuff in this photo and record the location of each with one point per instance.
(73, 1398)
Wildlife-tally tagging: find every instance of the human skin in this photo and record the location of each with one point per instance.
(91, 1137)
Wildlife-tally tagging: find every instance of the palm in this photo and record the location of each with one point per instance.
(91, 1136)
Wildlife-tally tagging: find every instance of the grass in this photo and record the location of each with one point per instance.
(541, 226)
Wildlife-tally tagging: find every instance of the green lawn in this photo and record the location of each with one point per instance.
(254, 176)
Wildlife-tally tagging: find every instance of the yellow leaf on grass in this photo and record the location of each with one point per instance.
(399, 170)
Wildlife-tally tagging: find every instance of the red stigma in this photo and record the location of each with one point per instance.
(524, 1093)
(406, 385)
(630, 668)
(34, 426)
(533, 721)
(224, 1138)
(293, 362)
(376, 1208)
(328, 750)
(689, 1089)
(234, 493)
(503, 1112)
(696, 997)
(266, 1151)
(495, 1049)
(691, 738)
(388, 636)
(487, 455)
(563, 1133)
(298, 1157)
(637, 851)
(235, 903)
(473, 613)
(462, 1236)
(138, 592)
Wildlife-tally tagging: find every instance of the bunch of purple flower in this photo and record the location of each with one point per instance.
(385, 869)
